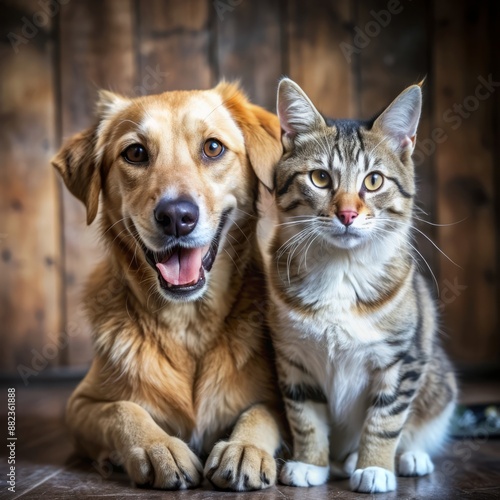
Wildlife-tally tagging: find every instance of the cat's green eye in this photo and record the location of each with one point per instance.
(373, 181)
(321, 178)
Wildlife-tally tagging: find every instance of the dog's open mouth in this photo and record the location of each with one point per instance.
(181, 270)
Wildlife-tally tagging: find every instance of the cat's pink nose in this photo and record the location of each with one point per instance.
(347, 216)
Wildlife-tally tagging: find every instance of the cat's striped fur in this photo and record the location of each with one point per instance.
(365, 381)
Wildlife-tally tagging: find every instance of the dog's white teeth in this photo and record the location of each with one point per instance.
(169, 284)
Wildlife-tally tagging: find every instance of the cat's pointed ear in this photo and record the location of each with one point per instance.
(399, 121)
(296, 112)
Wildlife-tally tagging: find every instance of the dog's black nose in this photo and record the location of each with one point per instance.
(177, 217)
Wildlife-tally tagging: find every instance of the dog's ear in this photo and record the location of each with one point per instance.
(260, 128)
(78, 160)
(77, 165)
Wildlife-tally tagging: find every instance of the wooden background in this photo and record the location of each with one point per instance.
(48, 87)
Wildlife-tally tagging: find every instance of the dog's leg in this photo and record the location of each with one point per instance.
(246, 462)
(126, 432)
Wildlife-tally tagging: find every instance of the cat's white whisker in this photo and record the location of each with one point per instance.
(305, 237)
(288, 243)
(413, 228)
(421, 256)
(440, 225)
(316, 236)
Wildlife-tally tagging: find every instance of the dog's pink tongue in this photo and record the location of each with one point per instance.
(182, 267)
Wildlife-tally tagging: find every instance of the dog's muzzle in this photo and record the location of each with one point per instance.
(181, 269)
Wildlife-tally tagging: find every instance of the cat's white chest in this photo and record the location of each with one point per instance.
(334, 292)
(333, 343)
(331, 347)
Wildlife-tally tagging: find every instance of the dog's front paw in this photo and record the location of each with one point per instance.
(415, 463)
(240, 467)
(302, 474)
(373, 480)
(165, 463)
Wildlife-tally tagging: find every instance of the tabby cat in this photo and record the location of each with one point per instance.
(365, 380)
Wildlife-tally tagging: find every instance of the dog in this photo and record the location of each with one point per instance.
(183, 365)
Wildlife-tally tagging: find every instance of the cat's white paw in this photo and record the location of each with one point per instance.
(415, 463)
(350, 463)
(373, 480)
(344, 470)
(302, 474)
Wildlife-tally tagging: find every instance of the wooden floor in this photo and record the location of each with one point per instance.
(46, 468)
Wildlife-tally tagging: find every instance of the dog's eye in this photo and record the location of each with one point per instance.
(136, 153)
(213, 148)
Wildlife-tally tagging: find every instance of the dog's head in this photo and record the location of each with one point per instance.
(176, 169)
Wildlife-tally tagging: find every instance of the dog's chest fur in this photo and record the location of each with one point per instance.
(193, 373)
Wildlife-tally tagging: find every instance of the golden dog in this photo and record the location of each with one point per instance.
(182, 358)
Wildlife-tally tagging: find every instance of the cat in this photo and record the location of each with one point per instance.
(354, 325)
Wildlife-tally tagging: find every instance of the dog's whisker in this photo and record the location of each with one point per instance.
(241, 230)
(252, 216)
(235, 265)
(113, 225)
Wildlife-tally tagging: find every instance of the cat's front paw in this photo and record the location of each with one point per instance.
(240, 467)
(344, 470)
(373, 480)
(415, 463)
(350, 463)
(302, 474)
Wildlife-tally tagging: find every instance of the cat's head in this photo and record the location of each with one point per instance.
(350, 181)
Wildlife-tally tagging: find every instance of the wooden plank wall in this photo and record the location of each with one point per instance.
(31, 261)
(465, 175)
(352, 57)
